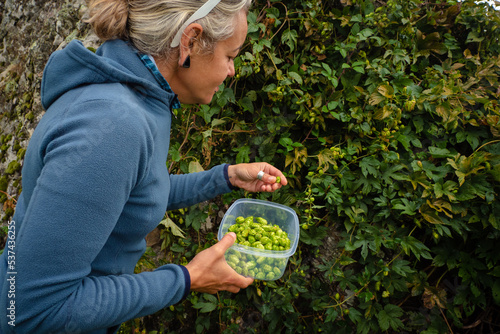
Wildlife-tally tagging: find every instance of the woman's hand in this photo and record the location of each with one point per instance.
(245, 176)
(210, 272)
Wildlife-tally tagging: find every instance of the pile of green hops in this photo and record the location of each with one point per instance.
(258, 267)
(256, 232)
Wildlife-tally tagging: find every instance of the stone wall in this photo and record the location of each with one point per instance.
(29, 32)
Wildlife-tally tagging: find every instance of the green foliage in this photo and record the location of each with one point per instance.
(384, 117)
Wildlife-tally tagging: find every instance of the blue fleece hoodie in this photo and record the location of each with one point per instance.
(95, 183)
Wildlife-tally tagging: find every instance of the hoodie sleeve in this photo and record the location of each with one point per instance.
(88, 173)
(192, 188)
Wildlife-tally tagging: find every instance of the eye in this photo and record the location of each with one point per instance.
(233, 56)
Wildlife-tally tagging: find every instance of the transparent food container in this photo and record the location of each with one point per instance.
(261, 264)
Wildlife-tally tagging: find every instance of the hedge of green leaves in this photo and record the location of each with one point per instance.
(385, 118)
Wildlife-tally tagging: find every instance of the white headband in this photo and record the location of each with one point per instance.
(200, 13)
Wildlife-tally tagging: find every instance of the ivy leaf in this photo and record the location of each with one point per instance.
(295, 76)
(436, 173)
(260, 45)
(404, 140)
(326, 158)
(369, 165)
(466, 192)
(174, 152)
(246, 103)
(217, 122)
(363, 243)
(205, 307)
(177, 248)
(331, 315)
(289, 37)
(407, 207)
(391, 173)
(253, 25)
(388, 317)
(174, 229)
(243, 154)
(346, 260)
(401, 267)
(224, 96)
(313, 236)
(386, 90)
(383, 112)
(495, 172)
(195, 167)
(267, 151)
(355, 315)
(195, 217)
(359, 69)
(440, 152)
(418, 249)
(449, 188)
(207, 133)
(368, 184)
(328, 70)
(430, 42)
(364, 34)
(207, 112)
(473, 37)
(376, 98)
(434, 296)
(207, 304)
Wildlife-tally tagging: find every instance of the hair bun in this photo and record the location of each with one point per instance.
(108, 18)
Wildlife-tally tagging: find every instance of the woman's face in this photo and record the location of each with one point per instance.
(198, 83)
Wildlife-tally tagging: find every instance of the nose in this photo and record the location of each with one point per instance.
(231, 71)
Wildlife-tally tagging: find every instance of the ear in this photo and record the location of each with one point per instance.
(189, 41)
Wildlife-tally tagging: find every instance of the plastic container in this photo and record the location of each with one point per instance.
(261, 264)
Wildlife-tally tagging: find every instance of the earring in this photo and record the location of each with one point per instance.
(187, 62)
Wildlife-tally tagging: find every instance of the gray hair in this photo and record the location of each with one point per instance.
(150, 25)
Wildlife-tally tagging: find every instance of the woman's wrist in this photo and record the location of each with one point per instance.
(230, 175)
(187, 281)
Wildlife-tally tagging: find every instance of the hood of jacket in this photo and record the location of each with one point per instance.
(116, 61)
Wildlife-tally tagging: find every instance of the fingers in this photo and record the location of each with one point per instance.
(267, 178)
(226, 241)
(242, 283)
(210, 272)
(271, 175)
(283, 180)
(238, 281)
(247, 281)
(257, 176)
(270, 184)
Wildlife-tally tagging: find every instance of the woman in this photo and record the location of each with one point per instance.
(95, 180)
